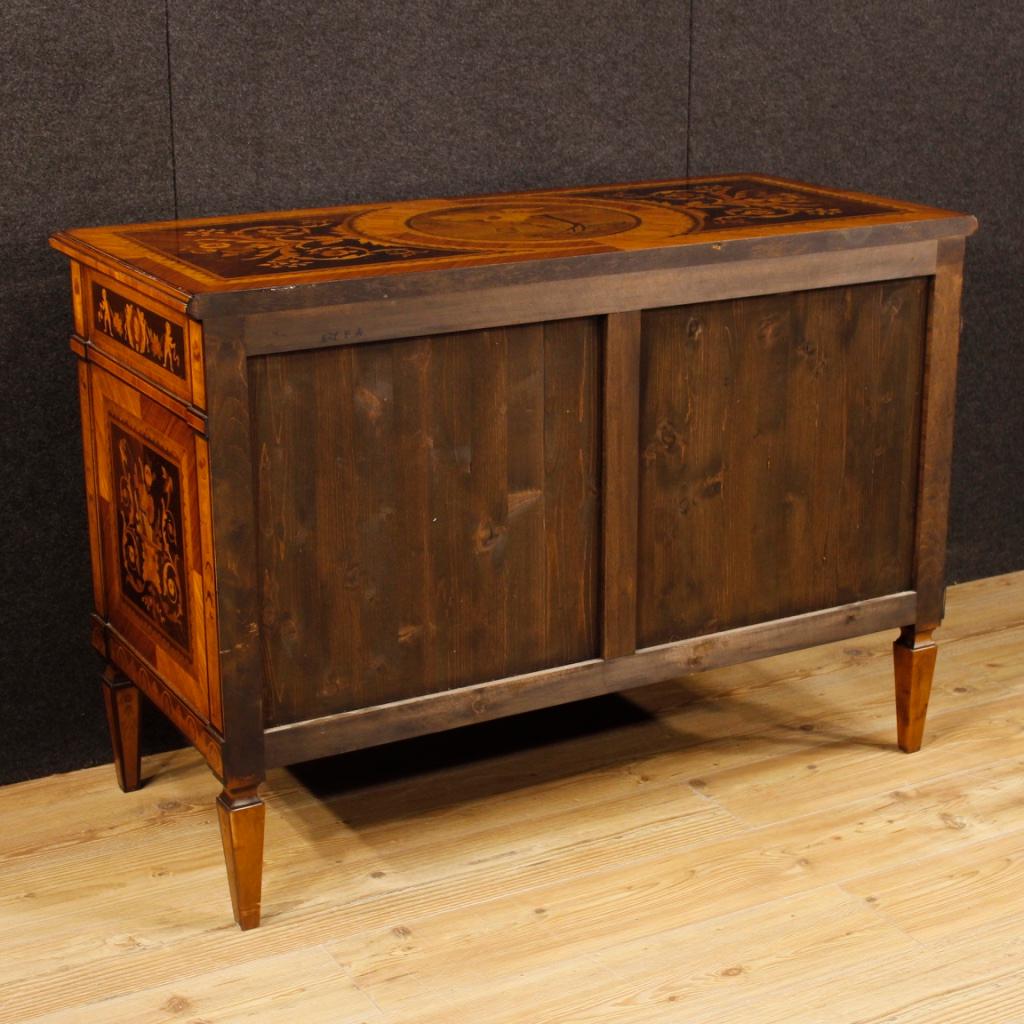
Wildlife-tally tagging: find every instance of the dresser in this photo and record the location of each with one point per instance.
(366, 472)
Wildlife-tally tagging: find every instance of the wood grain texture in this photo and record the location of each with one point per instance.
(914, 656)
(609, 887)
(943, 342)
(204, 498)
(779, 446)
(96, 356)
(319, 737)
(428, 514)
(155, 568)
(78, 297)
(99, 594)
(621, 408)
(379, 309)
(206, 740)
(232, 509)
(121, 700)
(242, 817)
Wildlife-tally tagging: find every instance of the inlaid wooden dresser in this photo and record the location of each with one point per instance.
(360, 473)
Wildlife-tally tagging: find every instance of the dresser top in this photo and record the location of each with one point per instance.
(281, 250)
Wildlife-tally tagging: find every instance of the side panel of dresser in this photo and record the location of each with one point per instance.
(938, 405)
(148, 492)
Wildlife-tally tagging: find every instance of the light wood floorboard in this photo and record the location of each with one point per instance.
(745, 845)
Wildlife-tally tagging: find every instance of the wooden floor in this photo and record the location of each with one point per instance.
(742, 846)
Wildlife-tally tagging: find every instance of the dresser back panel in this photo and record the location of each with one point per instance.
(427, 513)
(779, 444)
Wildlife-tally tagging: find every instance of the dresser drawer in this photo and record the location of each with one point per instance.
(158, 343)
(151, 506)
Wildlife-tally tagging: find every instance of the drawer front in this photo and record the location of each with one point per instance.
(152, 507)
(155, 341)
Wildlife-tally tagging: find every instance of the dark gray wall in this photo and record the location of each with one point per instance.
(355, 101)
(923, 100)
(86, 139)
(119, 111)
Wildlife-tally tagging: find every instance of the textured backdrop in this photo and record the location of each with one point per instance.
(120, 110)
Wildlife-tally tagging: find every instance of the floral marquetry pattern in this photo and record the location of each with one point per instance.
(491, 228)
(738, 203)
(287, 246)
(147, 490)
(153, 337)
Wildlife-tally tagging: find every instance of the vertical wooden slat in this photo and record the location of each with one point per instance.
(758, 335)
(283, 512)
(620, 481)
(77, 298)
(526, 624)
(486, 510)
(194, 354)
(940, 357)
(121, 699)
(377, 529)
(810, 469)
(89, 465)
(571, 474)
(894, 406)
(453, 484)
(235, 553)
(209, 587)
(413, 439)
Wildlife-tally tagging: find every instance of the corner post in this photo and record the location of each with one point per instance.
(914, 653)
(239, 808)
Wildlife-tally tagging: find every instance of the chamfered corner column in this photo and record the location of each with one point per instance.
(121, 699)
(914, 654)
(242, 818)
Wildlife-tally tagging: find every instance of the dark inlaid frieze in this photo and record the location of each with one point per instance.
(242, 248)
(152, 336)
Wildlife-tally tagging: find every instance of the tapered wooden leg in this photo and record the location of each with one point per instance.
(241, 831)
(122, 702)
(914, 659)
